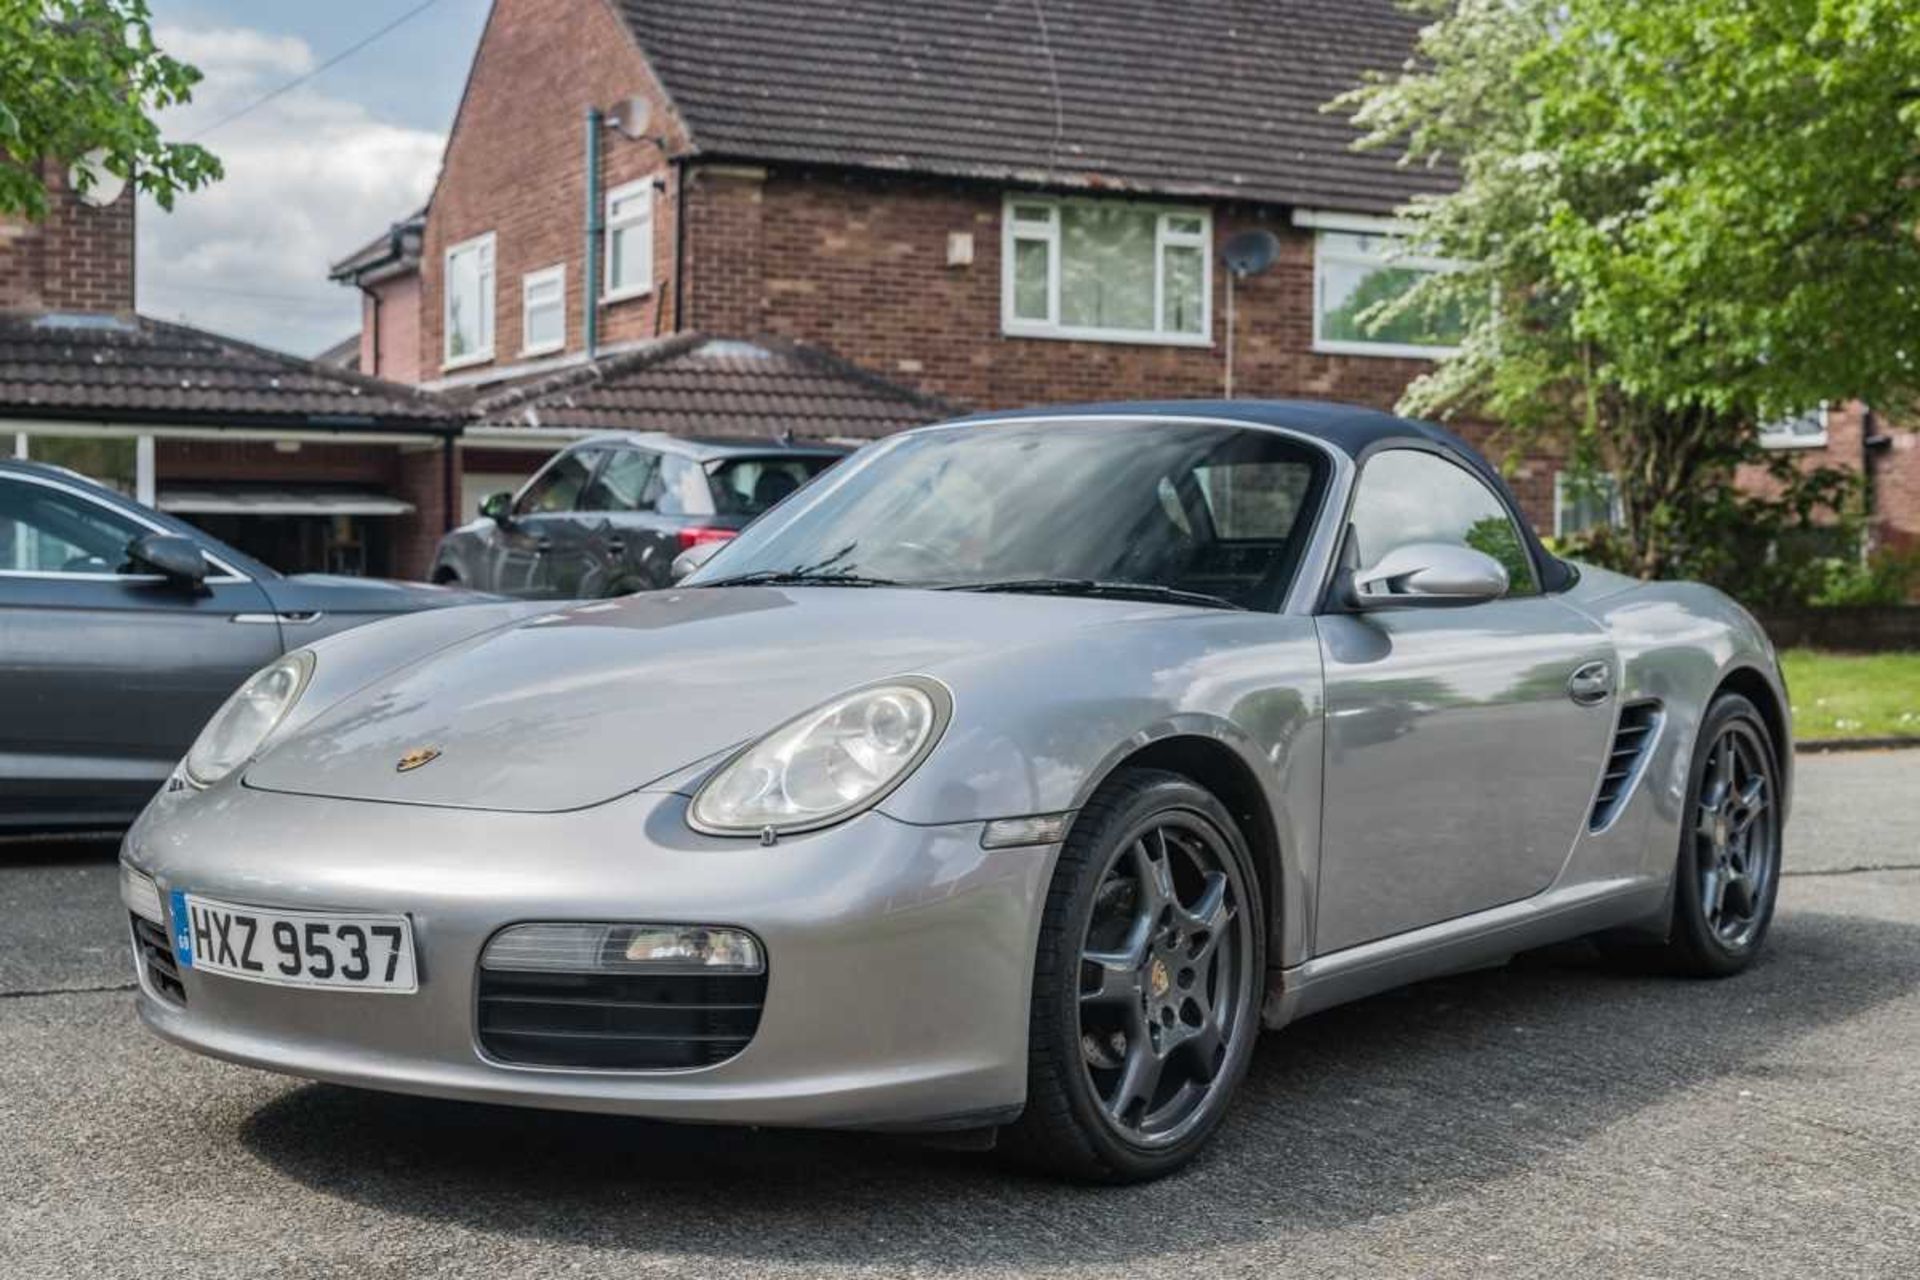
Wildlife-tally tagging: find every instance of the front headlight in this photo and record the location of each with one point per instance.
(243, 722)
(825, 765)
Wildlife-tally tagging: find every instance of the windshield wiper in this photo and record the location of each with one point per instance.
(1100, 588)
(797, 578)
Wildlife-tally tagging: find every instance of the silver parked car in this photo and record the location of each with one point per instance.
(609, 515)
(1012, 776)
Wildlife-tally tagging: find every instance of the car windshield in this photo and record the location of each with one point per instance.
(1168, 508)
(748, 486)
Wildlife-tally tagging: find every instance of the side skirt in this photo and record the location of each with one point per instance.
(1453, 946)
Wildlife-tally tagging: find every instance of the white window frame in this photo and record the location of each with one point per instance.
(1616, 512)
(488, 287)
(644, 215)
(1362, 224)
(1771, 438)
(1015, 326)
(554, 275)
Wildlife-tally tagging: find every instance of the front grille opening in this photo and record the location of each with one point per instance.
(618, 1021)
(154, 950)
(1632, 741)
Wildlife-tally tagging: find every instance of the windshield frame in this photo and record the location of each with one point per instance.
(1311, 551)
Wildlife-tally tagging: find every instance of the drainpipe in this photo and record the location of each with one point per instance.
(590, 273)
(679, 242)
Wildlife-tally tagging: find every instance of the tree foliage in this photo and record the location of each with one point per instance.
(79, 76)
(1694, 216)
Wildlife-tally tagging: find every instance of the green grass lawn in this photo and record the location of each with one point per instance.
(1853, 695)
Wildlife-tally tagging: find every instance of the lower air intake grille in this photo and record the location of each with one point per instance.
(618, 1021)
(155, 954)
(1639, 723)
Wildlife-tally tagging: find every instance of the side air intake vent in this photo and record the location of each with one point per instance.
(1632, 744)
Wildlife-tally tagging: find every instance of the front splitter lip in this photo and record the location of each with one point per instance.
(899, 956)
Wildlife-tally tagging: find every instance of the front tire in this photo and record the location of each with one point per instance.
(1727, 875)
(1147, 983)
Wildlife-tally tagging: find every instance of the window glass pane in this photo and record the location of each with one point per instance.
(1408, 495)
(748, 486)
(622, 484)
(1181, 300)
(1349, 289)
(1034, 213)
(1106, 266)
(109, 462)
(544, 298)
(558, 487)
(1253, 500)
(1182, 225)
(630, 257)
(1810, 425)
(680, 489)
(1030, 279)
(45, 531)
(1585, 502)
(469, 301)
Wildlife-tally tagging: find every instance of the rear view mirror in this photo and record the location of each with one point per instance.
(175, 558)
(692, 558)
(498, 507)
(1429, 573)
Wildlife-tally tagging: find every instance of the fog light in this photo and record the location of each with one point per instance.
(623, 948)
(141, 895)
(1009, 833)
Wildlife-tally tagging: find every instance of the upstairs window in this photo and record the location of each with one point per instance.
(543, 311)
(1360, 263)
(629, 240)
(469, 301)
(1106, 270)
(1800, 431)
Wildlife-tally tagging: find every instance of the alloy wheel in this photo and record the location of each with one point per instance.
(1165, 978)
(1736, 835)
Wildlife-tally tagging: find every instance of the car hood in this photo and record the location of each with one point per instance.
(572, 708)
(336, 593)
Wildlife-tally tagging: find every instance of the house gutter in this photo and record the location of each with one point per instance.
(590, 278)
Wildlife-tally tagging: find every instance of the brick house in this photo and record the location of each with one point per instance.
(305, 465)
(993, 203)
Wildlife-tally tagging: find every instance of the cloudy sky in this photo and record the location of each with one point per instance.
(312, 174)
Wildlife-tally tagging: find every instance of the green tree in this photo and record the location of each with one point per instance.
(84, 76)
(1694, 216)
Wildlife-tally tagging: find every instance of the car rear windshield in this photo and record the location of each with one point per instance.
(1171, 504)
(748, 486)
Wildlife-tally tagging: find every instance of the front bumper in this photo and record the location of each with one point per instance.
(899, 957)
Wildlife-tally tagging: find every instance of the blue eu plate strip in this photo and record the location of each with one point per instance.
(182, 931)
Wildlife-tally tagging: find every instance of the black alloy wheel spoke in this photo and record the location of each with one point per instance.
(1735, 836)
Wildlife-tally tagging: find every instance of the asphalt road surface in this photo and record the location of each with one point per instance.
(1550, 1118)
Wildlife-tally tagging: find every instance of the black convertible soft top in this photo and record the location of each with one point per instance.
(1352, 429)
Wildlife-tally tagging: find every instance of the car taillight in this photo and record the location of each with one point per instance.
(694, 535)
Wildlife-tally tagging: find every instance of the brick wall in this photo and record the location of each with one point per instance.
(516, 166)
(78, 258)
(1896, 470)
(390, 328)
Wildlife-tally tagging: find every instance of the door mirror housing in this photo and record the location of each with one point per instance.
(692, 558)
(177, 559)
(498, 507)
(1428, 574)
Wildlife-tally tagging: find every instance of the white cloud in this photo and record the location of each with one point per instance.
(309, 177)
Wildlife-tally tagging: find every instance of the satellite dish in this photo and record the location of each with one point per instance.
(102, 186)
(1248, 253)
(631, 117)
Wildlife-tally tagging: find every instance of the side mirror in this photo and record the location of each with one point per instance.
(498, 507)
(1429, 574)
(692, 558)
(177, 559)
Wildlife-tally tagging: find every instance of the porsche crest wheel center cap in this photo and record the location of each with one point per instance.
(1159, 981)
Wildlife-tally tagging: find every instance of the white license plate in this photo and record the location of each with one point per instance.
(294, 948)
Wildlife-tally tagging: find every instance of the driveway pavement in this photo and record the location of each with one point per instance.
(1550, 1118)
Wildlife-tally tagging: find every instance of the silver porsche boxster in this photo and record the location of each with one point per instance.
(1010, 777)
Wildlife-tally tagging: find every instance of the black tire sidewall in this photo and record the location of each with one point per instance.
(1144, 796)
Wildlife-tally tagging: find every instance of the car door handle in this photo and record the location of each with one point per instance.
(1590, 683)
(542, 545)
(617, 546)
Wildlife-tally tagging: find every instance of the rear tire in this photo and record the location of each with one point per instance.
(1147, 986)
(1727, 874)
